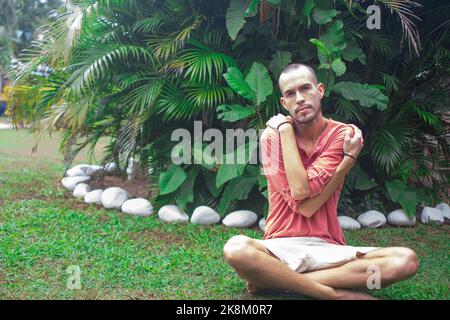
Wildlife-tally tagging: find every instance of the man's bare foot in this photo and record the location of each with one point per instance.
(354, 295)
(251, 288)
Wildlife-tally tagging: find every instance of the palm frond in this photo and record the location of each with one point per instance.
(403, 8)
(202, 64)
(174, 105)
(148, 25)
(143, 97)
(388, 146)
(427, 117)
(349, 111)
(96, 65)
(390, 82)
(75, 20)
(208, 96)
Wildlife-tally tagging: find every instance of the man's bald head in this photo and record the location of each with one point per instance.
(294, 67)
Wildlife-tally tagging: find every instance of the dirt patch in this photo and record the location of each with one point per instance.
(139, 188)
(104, 218)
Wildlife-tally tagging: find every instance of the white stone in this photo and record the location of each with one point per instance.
(95, 170)
(75, 172)
(348, 223)
(372, 219)
(262, 224)
(94, 196)
(240, 219)
(138, 206)
(432, 215)
(171, 213)
(97, 167)
(81, 190)
(399, 218)
(70, 182)
(205, 215)
(113, 198)
(111, 168)
(445, 209)
(83, 170)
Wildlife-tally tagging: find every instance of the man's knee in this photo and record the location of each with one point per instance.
(239, 249)
(404, 262)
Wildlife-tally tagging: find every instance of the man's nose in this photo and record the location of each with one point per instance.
(300, 98)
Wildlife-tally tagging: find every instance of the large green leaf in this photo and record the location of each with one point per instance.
(322, 16)
(236, 81)
(280, 60)
(338, 67)
(366, 94)
(227, 172)
(334, 37)
(404, 171)
(237, 189)
(360, 179)
(352, 52)
(235, 18)
(186, 192)
(235, 162)
(210, 181)
(171, 180)
(202, 157)
(398, 192)
(307, 8)
(252, 9)
(235, 112)
(259, 80)
(322, 52)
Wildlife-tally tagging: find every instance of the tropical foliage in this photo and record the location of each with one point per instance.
(134, 71)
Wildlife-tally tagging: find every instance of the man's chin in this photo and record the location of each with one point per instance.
(306, 120)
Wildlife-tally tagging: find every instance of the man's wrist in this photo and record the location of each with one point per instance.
(285, 126)
(346, 164)
(346, 154)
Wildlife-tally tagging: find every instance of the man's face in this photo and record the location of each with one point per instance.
(301, 95)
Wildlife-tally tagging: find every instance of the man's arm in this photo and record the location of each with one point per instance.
(295, 171)
(309, 206)
(297, 175)
(320, 172)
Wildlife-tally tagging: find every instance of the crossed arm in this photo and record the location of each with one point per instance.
(308, 189)
(297, 175)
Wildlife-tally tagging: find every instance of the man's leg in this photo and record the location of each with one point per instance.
(394, 264)
(253, 262)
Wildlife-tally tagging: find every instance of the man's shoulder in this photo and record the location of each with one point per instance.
(339, 125)
(338, 128)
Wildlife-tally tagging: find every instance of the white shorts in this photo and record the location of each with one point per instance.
(304, 254)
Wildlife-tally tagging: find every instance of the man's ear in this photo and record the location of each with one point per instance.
(283, 102)
(321, 89)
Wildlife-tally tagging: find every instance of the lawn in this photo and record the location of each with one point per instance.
(43, 231)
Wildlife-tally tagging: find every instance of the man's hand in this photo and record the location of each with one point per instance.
(276, 121)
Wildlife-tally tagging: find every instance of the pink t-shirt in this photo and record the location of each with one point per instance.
(283, 219)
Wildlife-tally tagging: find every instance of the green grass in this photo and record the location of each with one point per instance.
(43, 231)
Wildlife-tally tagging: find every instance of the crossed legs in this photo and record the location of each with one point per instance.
(253, 262)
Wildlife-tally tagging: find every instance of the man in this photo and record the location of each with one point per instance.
(305, 159)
